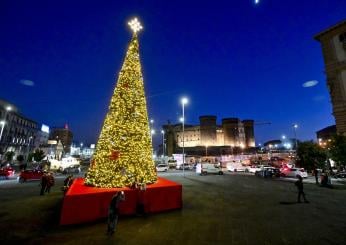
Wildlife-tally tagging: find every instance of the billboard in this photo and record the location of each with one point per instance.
(45, 128)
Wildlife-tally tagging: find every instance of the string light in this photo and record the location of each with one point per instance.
(123, 154)
(135, 25)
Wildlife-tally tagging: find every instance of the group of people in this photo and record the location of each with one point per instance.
(47, 181)
(325, 177)
(325, 182)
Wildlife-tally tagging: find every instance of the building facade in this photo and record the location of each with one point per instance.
(232, 133)
(18, 133)
(325, 135)
(64, 135)
(333, 41)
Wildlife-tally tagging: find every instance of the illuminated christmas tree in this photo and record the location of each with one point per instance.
(123, 154)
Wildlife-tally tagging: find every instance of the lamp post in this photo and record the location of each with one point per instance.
(206, 150)
(295, 126)
(2, 128)
(3, 122)
(81, 148)
(184, 101)
(152, 132)
(163, 142)
(151, 124)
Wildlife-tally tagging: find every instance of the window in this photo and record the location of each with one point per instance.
(342, 39)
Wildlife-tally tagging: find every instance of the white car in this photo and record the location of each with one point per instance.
(186, 166)
(253, 169)
(65, 162)
(209, 168)
(236, 167)
(294, 172)
(162, 168)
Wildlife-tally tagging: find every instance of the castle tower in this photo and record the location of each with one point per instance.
(208, 130)
(230, 130)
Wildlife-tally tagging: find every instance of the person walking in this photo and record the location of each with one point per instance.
(300, 187)
(113, 211)
(315, 173)
(50, 181)
(43, 183)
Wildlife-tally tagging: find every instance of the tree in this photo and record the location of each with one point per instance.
(20, 158)
(38, 155)
(123, 154)
(338, 149)
(311, 155)
(9, 156)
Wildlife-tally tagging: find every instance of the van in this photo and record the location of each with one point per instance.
(209, 168)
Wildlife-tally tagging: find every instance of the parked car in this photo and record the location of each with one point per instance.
(256, 168)
(162, 168)
(7, 172)
(28, 175)
(65, 162)
(294, 172)
(75, 169)
(340, 175)
(237, 167)
(209, 168)
(185, 165)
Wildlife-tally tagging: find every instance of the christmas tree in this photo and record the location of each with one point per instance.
(123, 154)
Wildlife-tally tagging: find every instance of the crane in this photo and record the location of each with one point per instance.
(262, 123)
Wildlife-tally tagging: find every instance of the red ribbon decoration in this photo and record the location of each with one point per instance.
(114, 155)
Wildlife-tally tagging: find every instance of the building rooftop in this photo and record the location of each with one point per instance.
(318, 36)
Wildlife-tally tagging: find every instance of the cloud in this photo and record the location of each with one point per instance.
(309, 84)
(27, 82)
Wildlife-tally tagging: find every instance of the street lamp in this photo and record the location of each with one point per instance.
(3, 122)
(184, 101)
(151, 123)
(152, 132)
(206, 150)
(295, 126)
(2, 128)
(163, 142)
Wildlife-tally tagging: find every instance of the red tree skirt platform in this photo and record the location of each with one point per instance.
(84, 203)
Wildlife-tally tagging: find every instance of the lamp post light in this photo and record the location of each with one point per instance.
(184, 101)
(163, 142)
(295, 126)
(2, 128)
(206, 150)
(152, 132)
(151, 124)
(3, 122)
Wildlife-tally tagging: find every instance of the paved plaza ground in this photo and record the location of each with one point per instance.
(228, 209)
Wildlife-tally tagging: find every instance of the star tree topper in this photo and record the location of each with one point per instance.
(135, 25)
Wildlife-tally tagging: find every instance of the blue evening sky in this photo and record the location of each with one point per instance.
(231, 58)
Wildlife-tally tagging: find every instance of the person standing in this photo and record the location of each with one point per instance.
(300, 187)
(43, 183)
(315, 172)
(50, 181)
(113, 211)
(67, 183)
